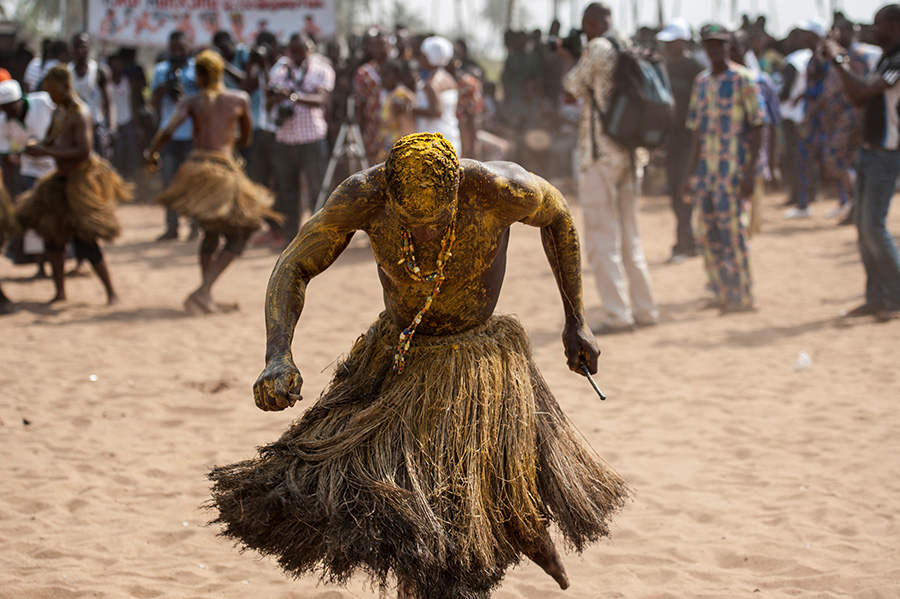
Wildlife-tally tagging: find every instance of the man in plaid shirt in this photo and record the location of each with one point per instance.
(298, 89)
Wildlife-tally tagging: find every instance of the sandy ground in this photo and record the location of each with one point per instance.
(752, 479)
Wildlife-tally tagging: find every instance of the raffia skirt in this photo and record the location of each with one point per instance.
(213, 190)
(442, 475)
(80, 205)
(9, 224)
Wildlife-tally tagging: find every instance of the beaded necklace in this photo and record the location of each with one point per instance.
(408, 260)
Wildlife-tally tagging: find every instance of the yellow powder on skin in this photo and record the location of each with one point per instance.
(422, 173)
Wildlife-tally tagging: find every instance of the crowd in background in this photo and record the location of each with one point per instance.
(391, 82)
(518, 114)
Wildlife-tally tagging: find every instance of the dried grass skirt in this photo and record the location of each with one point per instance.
(442, 476)
(213, 190)
(9, 224)
(80, 205)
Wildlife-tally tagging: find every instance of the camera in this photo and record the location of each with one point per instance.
(174, 88)
(284, 112)
(571, 43)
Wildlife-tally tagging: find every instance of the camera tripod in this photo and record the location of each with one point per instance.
(349, 141)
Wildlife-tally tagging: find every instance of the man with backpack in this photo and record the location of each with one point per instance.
(606, 185)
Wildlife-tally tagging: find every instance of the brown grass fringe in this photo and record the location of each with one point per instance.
(82, 205)
(213, 189)
(9, 224)
(441, 476)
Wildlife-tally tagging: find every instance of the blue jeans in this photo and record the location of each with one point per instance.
(172, 156)
(877, 180)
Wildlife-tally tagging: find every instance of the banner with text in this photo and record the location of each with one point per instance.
(149, 22)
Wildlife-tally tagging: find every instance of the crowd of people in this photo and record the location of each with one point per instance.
(390, 83)
(438, 456)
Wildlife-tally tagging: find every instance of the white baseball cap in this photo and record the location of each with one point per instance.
(677, 29)
(814, 25)
(10, 91)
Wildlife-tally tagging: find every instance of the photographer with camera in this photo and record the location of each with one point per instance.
(173, 79)
(298, 90)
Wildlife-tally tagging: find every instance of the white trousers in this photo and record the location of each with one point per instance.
(613, 244)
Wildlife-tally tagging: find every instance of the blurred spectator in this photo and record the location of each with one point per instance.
(832, 131)
(397, 105)
(25, 119)
(683, 68)
(367, 90)
(128, 101)
(238, 75)
(770, 59)
(554, 67)
(879, 165)
(298, 89)
(520, 79)
(437, 94)
(143, 118)
(469, 106)
(767, 166)
(52, 54)
(808, 33)
(800, 46)
(461, 49)
(90, 80)
(262, 148)
(174, 79)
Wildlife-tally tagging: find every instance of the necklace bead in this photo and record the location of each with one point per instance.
(408, 260)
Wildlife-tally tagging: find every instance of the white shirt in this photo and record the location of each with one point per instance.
(34, 72)
(446, 124)
(794, 108)
(88, 89)
(121, 97)
(14, 136)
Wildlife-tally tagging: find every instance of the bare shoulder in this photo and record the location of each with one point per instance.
(358, 200)
(504, 185)
(237, 96)
(79, 111)
(104, 73)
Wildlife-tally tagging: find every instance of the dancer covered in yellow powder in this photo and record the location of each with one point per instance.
(75, 203)
(437, 456)
(211, 186)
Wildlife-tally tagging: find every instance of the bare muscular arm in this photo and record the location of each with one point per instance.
(164, 135)
(533, 201)
(77, 131)
(318, 244)
(560, 238)
(246, 124)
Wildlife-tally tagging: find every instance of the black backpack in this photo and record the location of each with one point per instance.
(641, 107)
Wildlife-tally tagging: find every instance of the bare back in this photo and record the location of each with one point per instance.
(216, 118)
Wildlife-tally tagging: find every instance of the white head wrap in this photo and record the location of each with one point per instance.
(10, 91)
(438, 50)
(814, 25)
